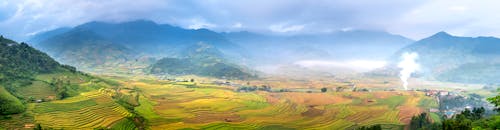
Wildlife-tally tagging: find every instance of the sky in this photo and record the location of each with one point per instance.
(415, 19)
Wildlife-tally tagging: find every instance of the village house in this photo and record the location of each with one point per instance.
(443, 93)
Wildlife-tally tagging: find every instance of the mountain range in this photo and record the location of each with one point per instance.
(96, 44)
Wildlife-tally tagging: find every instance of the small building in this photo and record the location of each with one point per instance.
(431, 93)
(443, 93)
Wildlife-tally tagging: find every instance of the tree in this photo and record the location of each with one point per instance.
(495, 101)
(421, 121)
(192, 80)
(459, 123)
(38, 127)
(323, 90)
(477, 113)
(373, 127)
(60, 87)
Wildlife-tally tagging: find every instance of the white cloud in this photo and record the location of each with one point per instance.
(282, 28)
(458, 8)
(461, 17)
(4, 3)
(198, 24)
(237, 25)
(347, 29)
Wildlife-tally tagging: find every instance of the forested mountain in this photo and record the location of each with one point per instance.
(19, 60)
(19, 65)
(458, 59)
(151, 38)
(200, 59)
(85, 49)
(97, 44)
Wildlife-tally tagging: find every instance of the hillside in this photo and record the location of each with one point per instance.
(35, 89)
(200, 59)
(19, 65)
(458, 59)
(85, 49)
(19, 60)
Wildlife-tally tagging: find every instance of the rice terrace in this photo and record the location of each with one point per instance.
(249, 65)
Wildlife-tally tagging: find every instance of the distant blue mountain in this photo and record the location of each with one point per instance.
(357, 44)
(44, 35)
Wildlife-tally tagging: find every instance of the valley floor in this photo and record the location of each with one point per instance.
(149, 102)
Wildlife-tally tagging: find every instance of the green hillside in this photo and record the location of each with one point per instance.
(9, 103)
(19, 60)
(201, 59)
(20, 69)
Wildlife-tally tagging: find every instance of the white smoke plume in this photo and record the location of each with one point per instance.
(408, 66)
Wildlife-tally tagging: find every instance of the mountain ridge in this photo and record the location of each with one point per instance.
(444, 57)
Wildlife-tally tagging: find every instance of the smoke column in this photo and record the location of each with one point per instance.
(408, 66)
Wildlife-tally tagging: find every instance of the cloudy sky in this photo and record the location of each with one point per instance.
(415, 19)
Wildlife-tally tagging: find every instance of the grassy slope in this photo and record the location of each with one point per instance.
(37, 90)
(9, 103)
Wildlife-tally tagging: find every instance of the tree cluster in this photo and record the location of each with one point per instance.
(60, 87)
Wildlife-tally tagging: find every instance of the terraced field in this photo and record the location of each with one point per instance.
(182, 106)
(87, 111)
(188, 105)
(37, 90)
(124, 124)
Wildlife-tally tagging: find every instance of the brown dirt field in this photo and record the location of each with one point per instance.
(406, 112)
(206, 117)
(314, 99)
